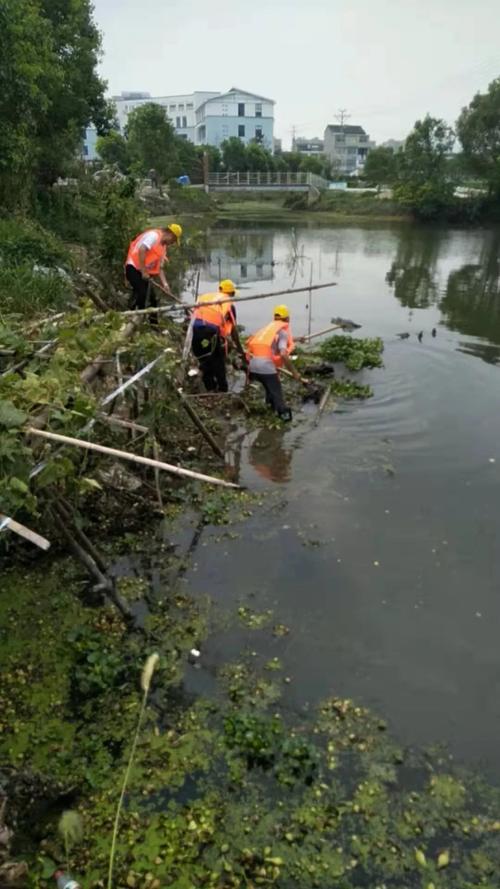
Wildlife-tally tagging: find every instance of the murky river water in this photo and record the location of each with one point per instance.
(382, 550)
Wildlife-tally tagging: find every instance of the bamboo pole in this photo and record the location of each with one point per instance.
(312, 336)
(240, 299)
(9, 524)
(235, 299)
(207, 435)
(134, 458)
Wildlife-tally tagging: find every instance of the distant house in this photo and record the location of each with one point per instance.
(347, 146)
(393, 144)
(245, 115)
(310, 147)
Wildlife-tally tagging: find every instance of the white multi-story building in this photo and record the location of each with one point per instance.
(206, 118)
(236, 113)
(181, 110)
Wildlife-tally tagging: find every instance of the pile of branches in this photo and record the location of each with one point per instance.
(93, 377)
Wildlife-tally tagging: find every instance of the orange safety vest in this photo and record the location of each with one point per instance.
(260, 344)
(154, 256)
(216, 315)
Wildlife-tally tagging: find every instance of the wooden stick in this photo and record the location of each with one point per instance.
(311, 336)
(133, 379)
(65, 511)
(200, 425)
(6, 523)
(43, 321)
(125, 424)
(157, 474)
(26, 360)
(124, 455)
(166, 292)
(323, 403)
(103, 581)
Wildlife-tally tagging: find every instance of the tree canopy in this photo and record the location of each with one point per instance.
(478, 129)
(49, 90)
(381, 166)
(152, 142)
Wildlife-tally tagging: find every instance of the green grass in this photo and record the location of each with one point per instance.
(332, 207)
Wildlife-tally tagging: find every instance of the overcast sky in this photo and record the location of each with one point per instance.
(387, 61)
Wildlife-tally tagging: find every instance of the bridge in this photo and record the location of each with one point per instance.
(268, 181)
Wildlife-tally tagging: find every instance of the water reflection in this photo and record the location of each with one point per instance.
(472, 301)
(413, 273)
(243, 257)
(269, 457)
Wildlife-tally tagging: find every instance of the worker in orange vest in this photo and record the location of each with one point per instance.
(147, 254)
(214, 323)
(269, 349)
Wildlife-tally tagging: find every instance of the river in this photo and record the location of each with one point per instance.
(379, 546)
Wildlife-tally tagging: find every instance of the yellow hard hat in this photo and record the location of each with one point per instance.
(176, 230)
(282, 312)
(227, 286)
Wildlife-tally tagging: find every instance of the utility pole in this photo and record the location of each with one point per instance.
(342, 116)
(294, 133)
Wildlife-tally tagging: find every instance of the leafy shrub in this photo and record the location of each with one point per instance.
(26, 291)
(24, 242)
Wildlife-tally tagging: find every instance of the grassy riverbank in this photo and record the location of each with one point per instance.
(332, 207)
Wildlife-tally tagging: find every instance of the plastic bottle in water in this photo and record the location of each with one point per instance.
(65, 881)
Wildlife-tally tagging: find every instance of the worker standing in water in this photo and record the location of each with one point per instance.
(267, 351)
(213, 326)
(146, 257)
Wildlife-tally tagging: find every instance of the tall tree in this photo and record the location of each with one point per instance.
(311, 164)
(49, 90)
(478, 129)
(425, 183)
(234, 155)
(152, 141)
(426, 151)
(113, 149)
(380, 166)
(27, 74)
(258, 159)
(77, 95)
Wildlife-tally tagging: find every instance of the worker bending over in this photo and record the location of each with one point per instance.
(146, 257)
(267, 350)
(213, 325)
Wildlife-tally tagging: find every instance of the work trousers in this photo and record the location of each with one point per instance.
(143, 291)
(274, 393)
(208, 347)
